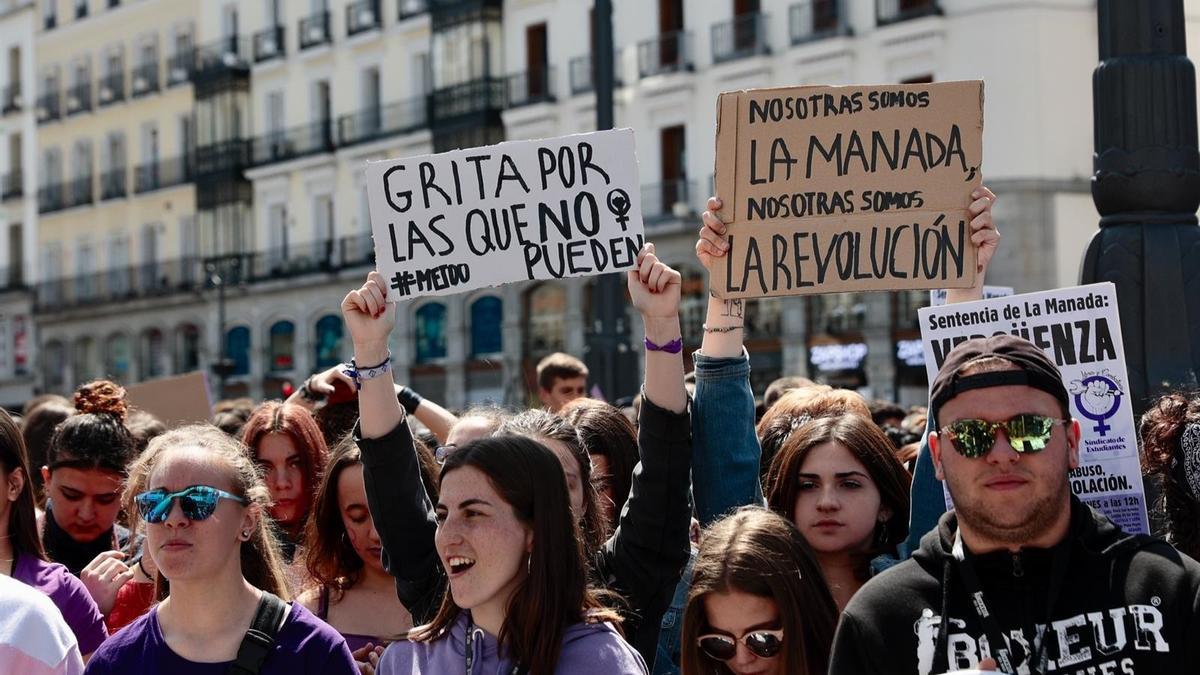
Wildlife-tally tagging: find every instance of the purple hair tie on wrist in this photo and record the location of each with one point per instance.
(673, 347)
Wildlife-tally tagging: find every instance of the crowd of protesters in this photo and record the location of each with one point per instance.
(359, 527)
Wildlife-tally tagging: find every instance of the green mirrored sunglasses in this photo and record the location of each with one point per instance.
(1027, 434)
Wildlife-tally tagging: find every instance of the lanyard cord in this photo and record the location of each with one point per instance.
(1037, 659)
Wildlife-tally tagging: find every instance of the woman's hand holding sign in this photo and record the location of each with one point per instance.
(986, 239)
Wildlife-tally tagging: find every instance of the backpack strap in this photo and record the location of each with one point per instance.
(260, 639)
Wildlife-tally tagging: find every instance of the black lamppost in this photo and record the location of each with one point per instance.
(609, 358)
(1146, 187)
(219, 271)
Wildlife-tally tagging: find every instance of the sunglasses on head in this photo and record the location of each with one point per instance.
(198, 502)
(762, 643)
(1027, 434)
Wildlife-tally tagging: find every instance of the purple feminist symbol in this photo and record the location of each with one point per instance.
(1098, 400)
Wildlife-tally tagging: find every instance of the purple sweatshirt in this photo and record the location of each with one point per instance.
(588, 649)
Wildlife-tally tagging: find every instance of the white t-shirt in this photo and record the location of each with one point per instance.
(34, 638)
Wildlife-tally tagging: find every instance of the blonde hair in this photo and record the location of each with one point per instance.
(261, 560)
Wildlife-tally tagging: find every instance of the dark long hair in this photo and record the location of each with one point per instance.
(761, 553)
(96, 438)
(22, 519)
(554, 594)
(540, 424)
(869, 445)
(1162, 430)
(606, 431)
(261, 559)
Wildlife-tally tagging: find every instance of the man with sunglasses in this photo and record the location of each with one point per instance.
(1022, 577)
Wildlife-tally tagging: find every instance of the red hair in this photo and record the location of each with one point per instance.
(297, 423)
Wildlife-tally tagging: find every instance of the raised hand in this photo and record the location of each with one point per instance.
(654, 286)
(369, 317)
(712, 243)
(984, 234)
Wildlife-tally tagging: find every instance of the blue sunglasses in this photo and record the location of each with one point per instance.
(198, 502)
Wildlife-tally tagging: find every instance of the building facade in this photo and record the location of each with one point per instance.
(201, 200)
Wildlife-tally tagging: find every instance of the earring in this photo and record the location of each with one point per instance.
(529, 563)
(246, 535)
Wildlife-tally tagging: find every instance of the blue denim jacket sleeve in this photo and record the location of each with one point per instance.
(725, 449)
(928, 499)
(666, 662)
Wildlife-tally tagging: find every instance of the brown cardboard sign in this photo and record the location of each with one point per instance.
(832, 189)
(176, 401)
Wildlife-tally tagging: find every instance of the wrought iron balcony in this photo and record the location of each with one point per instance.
(469, 98)
(362, 16)
(666, 53)
(80, 191)
(114, 183)
(79, 98)
(667, 200)
(301, 141)
(12, 99)
(412, 8)
(162, 174)
(145, 79)
(50, 198)
(180, 66)
(14, 185)
(229, 53)
(269, 44)
(111, 89)
(816, 20)
(895, 11)
(383, 121)
(314, 30)
(49, 107)
(740, 37)
(583, 72)
(533, 86)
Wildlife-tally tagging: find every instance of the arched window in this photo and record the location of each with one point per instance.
(545, 318)
(54, 365)
(487, 320)
(430, 332)
(237, 349)
(152, 353)
(117, 357)
(187, 348)
(329, 342)
(282, 347)
(83, 360)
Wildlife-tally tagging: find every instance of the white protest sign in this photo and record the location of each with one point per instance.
(521, 210)
(1080, 330)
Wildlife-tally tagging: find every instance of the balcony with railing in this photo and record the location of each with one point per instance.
(583, 73)
(285, 144)
(532, 86)
(382, 121)
(667, 200)
(666, 53)
(80, 191)
(14, 185)
(114, 183)
(79, 98)
(269, 44)
(739, 38)
(180, 66)
(111, 89)
(187, 275)
(817, 20)
(12, 99)
(412, 8)
(468, 98)
(161, 174)
(50, 198)
(145, 79)
(894, 11)
(314, 30)
(226, 54)
(362, 16)
(49, 107)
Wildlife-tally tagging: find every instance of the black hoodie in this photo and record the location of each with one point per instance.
(1127, 605)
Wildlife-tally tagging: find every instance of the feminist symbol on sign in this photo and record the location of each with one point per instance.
(618, 203)
(1097, 397)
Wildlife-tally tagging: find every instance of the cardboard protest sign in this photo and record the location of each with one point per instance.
(178, 400)
(466, 219)
(830, 189)
(1080, 330)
